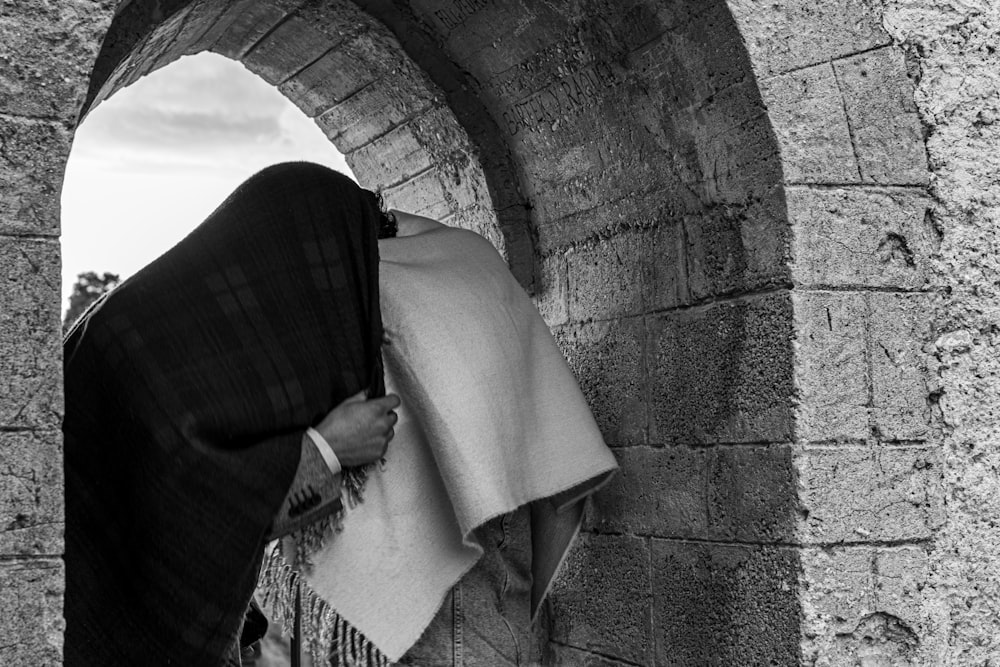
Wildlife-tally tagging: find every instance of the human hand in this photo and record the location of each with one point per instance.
(359, 430)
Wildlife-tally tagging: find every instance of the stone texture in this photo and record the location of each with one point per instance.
(885, 128)
(951, 53)
(866, 605)
(340, 73)
(902, 405)
(752, 494)
(722, 373)
(861, 494)
(31, 493)
(30, 335)
(657, 491)
(32, 159)
(609, 278)
(391, 159)
(249, 23)
(725, 605)
(601, 600)
(790, 35)
(831, 370)
(32, 623)
(424, 195)
(372, 111)
(861, 237)
(606, 358)
(807, 113)
(46, 51)
(550, 297)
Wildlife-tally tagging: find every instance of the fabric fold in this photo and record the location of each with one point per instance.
(492, 419)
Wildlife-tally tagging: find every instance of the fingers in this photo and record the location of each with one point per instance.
(359, 397)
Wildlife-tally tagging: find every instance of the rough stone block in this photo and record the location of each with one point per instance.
(33, 156)
(374, 110)
(860, 494)
(247, 25)
(831, 370)
(888, 137)
(646, 210)
(391, 159)
(790, 35)
(609, 277)
(31, 493)
(287, 49)
(657, 491)
(32, 625)
(739, 163)
(30, 335)
(46, 54)
(601, 600)
(606, 358)
(902, 575)
(807, 114)
(722, 373)
(838, 587)
(669, 287)
(752, 494)
(340, 74)
(725, 605)
(738, 248)
(550, 298)
(864, 237)
(901, 402)
(423, 195)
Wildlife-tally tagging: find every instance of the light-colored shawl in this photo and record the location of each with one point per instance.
(492, 419)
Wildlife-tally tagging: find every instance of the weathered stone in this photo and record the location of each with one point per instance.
(251, 22)
(567, 655)
(31, 493)
(657, 491)
(725, 605)
(886, 131)
(550, 298)
(30, 335)
(901, 397)
(860, 494)
(839, 587)
(807, 114)
(901, 576)
(341, 73)
(423, 195)
(32, 159)
(752, 494)
(610, 277)
(790, 35)
(722, 373)
(601, 600)
(46, 52)
(669, 277)
(831, 370)
(865, 237)
(32, 623)
(390, 159)
(374, 110)
(607, 360)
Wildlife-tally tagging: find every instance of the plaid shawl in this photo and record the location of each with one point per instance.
(188, 389)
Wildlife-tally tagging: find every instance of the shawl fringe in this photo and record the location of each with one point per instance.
(331, 640)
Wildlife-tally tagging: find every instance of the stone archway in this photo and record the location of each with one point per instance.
(718, 221)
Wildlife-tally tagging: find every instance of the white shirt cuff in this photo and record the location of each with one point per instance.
(325, 450)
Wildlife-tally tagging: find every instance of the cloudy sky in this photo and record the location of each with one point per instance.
(153, 161)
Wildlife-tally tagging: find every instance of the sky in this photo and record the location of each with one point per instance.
(155, 159)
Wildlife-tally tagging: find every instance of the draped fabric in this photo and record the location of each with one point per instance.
(188, 389)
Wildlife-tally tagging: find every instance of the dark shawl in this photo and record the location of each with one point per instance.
(188, 389)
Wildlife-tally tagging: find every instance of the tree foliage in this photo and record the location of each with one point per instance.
(87, 289)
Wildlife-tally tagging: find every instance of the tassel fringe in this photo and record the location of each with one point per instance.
(331, 640)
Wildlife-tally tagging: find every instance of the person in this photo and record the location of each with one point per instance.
(210, 401)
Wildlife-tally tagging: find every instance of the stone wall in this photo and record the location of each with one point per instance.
(781, 313)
